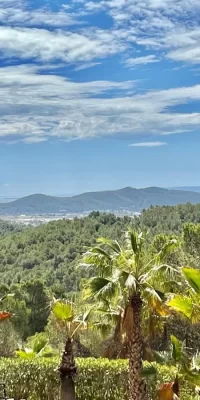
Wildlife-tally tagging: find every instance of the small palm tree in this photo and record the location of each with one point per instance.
(64, 313)
(186, 367)
(127, 277)
(37, 346)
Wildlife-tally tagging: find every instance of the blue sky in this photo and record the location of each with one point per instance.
(98, 95)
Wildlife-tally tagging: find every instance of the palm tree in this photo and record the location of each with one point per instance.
(125, 276)
(186, 367)
(64, 313)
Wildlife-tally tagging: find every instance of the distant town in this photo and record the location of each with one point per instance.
(36, 220)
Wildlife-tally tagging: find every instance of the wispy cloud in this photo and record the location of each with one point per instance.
(40, 106)
(18, 13)
(133, 62)
(34, 139)
(37, 103)
(148, 144)
(169, 25)
(86, 66)
(172, 26)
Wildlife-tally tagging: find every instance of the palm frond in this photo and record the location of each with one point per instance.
(178, 349)
(161, 356)
(149, 371)
(166, 270)
(128, 280)
(103, 287)
(167, 249)
(192, 276)
(182, 304)
(133, 237)
(101, 252)
(112, 244)
(127, 321)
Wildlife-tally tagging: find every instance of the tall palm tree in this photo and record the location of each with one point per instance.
(65, 315)
(125, 275)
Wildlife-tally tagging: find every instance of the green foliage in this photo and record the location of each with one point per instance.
(36, 379)
(30, 306)
(9, 339)
(39, 262)
(63, 311)
(7, 227)
(189, 305)
(52, 252)
(192, 276)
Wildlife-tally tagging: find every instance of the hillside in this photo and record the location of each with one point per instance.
(52, 252)
(127, 199)
(188, 188)
(7, 227)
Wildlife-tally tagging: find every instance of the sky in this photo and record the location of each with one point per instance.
(98, 94)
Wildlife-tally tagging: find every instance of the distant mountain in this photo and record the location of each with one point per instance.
(127, 199)
(188, 188)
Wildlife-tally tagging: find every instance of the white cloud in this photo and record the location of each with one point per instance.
(47, 45)
(37, 104)
(148, 144)
(132, 62)
(34, 139)
(17, 13)
(159, 24)
(168, 25)
(86, 66)
(35, 107)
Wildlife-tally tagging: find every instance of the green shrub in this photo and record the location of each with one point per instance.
(98, 379)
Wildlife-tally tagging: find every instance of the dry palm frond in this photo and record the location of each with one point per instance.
(127, 322)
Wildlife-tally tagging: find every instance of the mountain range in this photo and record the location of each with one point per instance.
(122, 200)
(188, 188)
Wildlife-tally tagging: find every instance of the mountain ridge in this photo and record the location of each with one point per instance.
(125, 199)
(187, 188)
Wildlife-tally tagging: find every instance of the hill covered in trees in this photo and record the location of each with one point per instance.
(126, 199)
(52, 252)
(6, 227)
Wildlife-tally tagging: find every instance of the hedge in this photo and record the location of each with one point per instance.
(98, 379)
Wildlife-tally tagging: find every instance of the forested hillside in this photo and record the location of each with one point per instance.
(6, 227)
(52, 252)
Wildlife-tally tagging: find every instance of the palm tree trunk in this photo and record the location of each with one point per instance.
(137, 386)
(67, 371)
(67, 390)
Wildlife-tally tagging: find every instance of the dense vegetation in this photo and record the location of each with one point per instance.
(52, 252)
(39, 263)
(97, 380)
(6, 227)
(45, 260)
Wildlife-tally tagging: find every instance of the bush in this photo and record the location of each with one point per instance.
(98, 379)
(9, 339)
